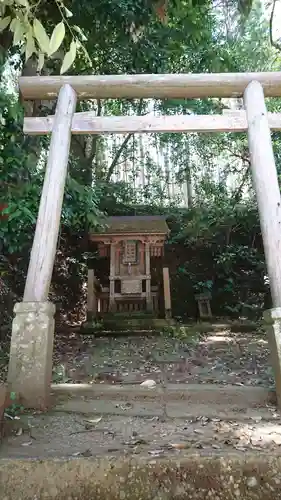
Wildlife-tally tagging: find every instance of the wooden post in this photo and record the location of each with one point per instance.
(269, 204)
(266, 184)
(112, 278)
(91, 296)
(48, 222)
(167, 293)
(30, 365)
(148, 276)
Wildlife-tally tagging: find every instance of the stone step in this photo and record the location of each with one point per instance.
(148, 326)
(244, 476)
(243, 396)
(135, 332)
(174, 401)
(185, 442)
(171, 410)
(118, 324)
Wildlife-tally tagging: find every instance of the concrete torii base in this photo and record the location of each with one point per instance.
(30, 365)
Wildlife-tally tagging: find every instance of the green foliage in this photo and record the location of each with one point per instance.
(15, 409)
(21, 184)
(189, 333)
(21, 22)
(219, 250)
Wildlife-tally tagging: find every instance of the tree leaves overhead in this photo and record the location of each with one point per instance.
(43, 28)
(69, 57)
(30, 48)
(4, 23)
(57, 38)
(41, 36)
(37, 35)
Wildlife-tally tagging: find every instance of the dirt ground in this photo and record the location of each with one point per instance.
(219, 358)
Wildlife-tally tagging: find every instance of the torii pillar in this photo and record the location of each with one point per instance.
(30, 365)
(267, 189)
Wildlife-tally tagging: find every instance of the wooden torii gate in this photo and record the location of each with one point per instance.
(30, 366)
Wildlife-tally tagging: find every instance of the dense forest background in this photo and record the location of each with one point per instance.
(201, 182)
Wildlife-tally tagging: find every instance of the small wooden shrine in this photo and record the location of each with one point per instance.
(131, 277)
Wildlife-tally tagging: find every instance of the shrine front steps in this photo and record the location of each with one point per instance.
(173, 401)
(124, 464)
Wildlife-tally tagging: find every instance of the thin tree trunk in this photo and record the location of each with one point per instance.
(121, 148)
(188, 175)
(117, 156)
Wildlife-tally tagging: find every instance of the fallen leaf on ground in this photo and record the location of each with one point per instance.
(252, 482)
(256, 418)
(155, 453)
(148, 383)
(93, 421)
(135, 442)
(179, 446)
(86, 453)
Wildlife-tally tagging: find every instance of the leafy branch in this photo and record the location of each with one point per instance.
(18, 17)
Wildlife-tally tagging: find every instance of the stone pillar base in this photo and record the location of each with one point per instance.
(30, 365)
(272, 319)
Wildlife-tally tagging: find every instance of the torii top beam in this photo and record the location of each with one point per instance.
(150, 86)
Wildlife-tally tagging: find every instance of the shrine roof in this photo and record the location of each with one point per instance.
(136, 224)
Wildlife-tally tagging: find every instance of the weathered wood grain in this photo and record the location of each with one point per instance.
(159, 86)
